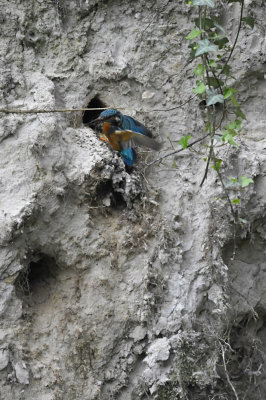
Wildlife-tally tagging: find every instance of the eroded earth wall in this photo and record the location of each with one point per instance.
(119, 284)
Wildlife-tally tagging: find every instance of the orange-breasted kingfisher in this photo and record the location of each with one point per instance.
(123, 132)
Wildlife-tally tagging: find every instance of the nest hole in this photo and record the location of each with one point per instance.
(90, 115)
(36, 281)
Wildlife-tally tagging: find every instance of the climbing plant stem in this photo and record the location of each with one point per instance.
(236, 39)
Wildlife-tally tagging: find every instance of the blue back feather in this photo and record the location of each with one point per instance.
(127, 122)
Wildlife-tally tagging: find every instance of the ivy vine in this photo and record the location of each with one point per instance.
(210, 44)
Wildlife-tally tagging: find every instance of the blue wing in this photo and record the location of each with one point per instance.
(129, 156)
(129, 123)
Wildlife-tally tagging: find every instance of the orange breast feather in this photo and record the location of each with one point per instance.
(109, 132)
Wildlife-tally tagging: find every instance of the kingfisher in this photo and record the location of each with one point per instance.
(122, 132)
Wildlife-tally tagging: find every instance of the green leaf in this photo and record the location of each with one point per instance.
(205, 46)
(208, 3)
(184, 141)
(235, 201)
(234, 180)
(199, 70)
(219, 27)
(214, 82)
(233, 100)
(235, 125)
(239, 113)
(213, 97)
(226, 70)
(194, 33)
(238, 124)
(212, 63)
(246, 181)
(201, 88)
(208, 23)
(221, 42)
(231, 125)
(193, 46)
(249, 21)
(244, 221)
(228, 137)
(214, 36)
(217, 164)
(228, 92)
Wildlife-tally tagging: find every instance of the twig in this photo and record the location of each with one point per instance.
(177, 151)
(210, 152)
(228, 198)
(226, 372)
(234, 45)
(64, 110)
(207, 165)
(206, 65)
(151, 21)
(232, 211)
(214, 74)
(180, 105)
(253, 312)
(40, 111)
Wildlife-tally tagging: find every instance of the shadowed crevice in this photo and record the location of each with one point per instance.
(90, 115)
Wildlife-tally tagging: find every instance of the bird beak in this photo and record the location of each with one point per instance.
(94, 122)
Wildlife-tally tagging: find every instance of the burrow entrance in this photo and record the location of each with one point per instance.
(37, 281)
(90, 115)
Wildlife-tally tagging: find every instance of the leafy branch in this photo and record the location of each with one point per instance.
(210, 44)
(184, 147)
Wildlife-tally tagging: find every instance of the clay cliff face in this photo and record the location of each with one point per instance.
(121, 284)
